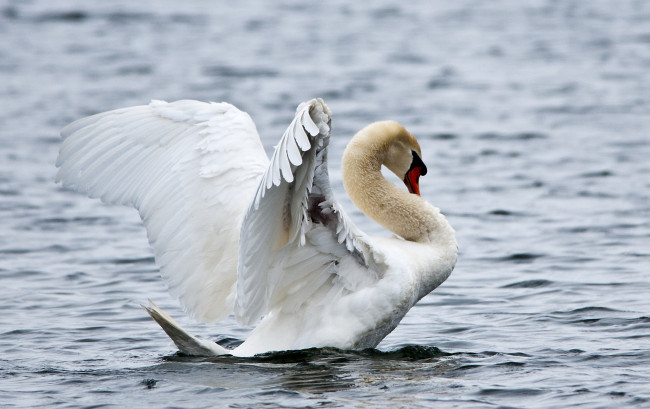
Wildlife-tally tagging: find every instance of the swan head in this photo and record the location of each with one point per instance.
(403, 155)
(391, 145)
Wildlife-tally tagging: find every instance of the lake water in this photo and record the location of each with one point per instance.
(534, 122)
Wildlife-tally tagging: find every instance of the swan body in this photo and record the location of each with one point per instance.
(236, 232)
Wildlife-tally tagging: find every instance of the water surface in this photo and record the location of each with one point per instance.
(533, 121)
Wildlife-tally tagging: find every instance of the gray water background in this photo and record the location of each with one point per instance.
(533, 120)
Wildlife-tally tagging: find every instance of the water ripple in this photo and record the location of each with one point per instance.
(532, 118)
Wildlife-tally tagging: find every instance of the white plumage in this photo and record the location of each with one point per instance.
(235, 232)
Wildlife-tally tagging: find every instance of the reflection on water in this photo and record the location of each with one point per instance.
(311, 371)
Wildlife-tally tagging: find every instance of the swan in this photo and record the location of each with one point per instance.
(235, 232)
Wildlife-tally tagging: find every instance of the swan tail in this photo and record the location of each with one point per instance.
(186, 343)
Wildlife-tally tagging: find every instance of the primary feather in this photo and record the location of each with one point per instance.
(187, 166)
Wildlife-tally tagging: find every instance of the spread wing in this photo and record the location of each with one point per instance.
(297, 245)
(189, 168)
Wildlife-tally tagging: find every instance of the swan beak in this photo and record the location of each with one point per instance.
(412, 177)
(412, 181)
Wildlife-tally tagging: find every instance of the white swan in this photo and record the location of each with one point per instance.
(235, 232)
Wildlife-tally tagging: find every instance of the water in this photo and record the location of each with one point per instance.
(533, 121)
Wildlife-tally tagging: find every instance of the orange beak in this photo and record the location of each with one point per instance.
(412, 180)
(412, 177)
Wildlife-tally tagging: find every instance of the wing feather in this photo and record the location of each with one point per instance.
(187, 166)
(294, 234)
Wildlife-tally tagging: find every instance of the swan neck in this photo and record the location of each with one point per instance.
(403, 213)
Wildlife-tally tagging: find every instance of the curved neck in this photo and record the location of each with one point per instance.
(403, 213)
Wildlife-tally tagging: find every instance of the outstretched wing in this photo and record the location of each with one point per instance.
(296, 241)
(189, 168)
